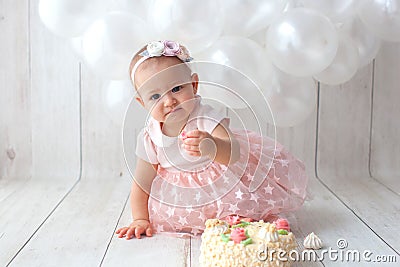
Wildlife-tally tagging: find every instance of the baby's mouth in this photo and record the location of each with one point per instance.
(173, 110)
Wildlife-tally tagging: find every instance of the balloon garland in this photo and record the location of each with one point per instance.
(281, 45)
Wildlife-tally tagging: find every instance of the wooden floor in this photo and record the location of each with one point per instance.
(51, 224)
(41, 225)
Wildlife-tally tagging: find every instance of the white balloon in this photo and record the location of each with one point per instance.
(242, 54)
(245, 18)
(70, 18)
(382, 17)
(223, 83)
(368, 44)
(110, 43)
(195, 24)
(334, 9)
(302, 42)
(292, 99)
(345, 64)
(135, 7)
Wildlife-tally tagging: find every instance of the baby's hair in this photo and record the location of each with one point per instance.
(135, 59)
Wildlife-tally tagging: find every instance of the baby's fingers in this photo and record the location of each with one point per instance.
(122, 231)
(149, 232)
(139, 231)
(130, 233)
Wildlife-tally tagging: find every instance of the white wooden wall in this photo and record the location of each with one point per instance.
(61, 158)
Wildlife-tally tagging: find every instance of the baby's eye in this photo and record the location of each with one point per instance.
(155, 96)
(176, 89)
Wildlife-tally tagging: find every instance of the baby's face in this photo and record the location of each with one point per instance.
(166, 88)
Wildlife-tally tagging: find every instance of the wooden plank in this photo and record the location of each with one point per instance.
(103, 110)
(159, 250)
(327, 217)
(55, 82)
(15, 115)
(79, 230)
(343, 148)
(27, 205)
(385, 135)
(344, 125)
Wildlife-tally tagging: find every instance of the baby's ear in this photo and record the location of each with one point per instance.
(138, 99)
(195, 82)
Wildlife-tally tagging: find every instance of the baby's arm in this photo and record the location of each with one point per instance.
(220, 145)
(144, 175)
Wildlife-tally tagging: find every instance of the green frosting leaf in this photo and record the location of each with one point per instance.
(282, 232)
(241, 224)
(247, 241)
(225, 238)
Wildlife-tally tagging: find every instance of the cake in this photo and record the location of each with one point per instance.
(244, 243)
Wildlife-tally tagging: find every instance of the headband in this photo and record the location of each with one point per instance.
(162, 48)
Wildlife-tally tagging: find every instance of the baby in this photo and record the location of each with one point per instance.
(190, 165)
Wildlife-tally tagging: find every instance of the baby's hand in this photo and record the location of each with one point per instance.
(198, 143)
(137, 228)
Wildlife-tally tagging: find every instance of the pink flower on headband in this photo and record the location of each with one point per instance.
(166, 48)
(171, 48)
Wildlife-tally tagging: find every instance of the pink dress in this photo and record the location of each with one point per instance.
(189, 190)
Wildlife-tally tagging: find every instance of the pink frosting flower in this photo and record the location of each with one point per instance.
(171, 48)
(238, 234)
(247, 219)
(282, 224)
(233, 219)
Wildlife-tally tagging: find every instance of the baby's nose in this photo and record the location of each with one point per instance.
(169, 99)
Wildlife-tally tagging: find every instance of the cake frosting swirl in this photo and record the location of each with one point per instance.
(312, 241)
(244, 243)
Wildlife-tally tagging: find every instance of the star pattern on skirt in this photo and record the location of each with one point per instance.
(284, 162)
(226, 180)
(154, 209)
(170, 211)
(271, 202)
(182, 220)
(202, 217)
(239, 194)
(253, 197)
(249, 177)
(233, 208)
(198, 196)
(189, 210)
(268, 189)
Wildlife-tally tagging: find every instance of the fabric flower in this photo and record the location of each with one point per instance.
(155, 49)
(171, 48)
(184, 55)
(238, 234)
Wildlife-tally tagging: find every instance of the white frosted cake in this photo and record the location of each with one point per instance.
(246, 244)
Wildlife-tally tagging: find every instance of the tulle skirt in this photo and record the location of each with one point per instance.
(265, 181)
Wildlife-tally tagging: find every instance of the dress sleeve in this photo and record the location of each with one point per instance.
(210, 117)
(145, 148)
